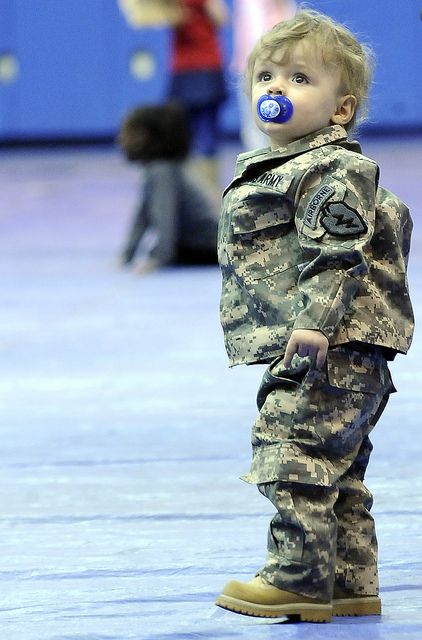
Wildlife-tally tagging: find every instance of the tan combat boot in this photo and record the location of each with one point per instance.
(348, 604)
(261, 599)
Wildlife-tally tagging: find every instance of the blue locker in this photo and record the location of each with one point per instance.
(62, 86)
(8, 83)
(136, 63)
(81, 68)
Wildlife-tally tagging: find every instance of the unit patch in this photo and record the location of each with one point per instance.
(340, 220)
(314, 207)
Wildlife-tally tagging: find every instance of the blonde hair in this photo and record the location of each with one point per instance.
(337, 47)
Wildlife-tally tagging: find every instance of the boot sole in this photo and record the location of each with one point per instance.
(302, 612)
(369, 606)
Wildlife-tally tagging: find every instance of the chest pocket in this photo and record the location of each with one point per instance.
(264, 240)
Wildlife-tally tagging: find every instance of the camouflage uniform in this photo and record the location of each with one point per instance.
(307, 240)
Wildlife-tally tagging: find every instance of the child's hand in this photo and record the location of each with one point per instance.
(307, 342)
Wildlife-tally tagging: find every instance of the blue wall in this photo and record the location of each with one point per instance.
(72, 75)
(393, 28)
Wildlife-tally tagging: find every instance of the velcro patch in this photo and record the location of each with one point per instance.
(340, 220)
(314, 207)
(269, 179)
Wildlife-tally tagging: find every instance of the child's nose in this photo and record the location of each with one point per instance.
(276, 88)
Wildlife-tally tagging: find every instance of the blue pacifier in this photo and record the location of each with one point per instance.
(274, 108)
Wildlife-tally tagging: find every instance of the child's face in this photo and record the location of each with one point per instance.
(313, 90)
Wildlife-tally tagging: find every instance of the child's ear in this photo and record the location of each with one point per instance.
(346, 107)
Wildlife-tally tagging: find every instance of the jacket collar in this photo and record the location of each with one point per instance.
(328, 135)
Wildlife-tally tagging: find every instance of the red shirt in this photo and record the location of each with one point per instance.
(196, 45)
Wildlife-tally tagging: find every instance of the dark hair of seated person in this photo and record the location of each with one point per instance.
(156, 132)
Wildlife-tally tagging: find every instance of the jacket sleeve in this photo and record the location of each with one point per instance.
(335, 220)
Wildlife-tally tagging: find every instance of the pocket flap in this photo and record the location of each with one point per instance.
(261, 204)
(258, 213)
(355, 370)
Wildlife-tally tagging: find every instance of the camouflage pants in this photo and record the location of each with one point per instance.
(310, 452)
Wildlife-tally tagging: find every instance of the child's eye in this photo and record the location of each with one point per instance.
(300, 78)
(264, 76)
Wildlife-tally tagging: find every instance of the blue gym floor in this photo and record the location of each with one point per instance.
(123, 432)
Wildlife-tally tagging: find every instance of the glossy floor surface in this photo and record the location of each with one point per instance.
(123, 432)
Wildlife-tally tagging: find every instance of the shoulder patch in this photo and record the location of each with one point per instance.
(314, 207)
(340, 220)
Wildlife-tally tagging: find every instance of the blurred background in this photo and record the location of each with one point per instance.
(71, 69)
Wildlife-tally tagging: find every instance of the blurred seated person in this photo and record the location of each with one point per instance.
(176, 221)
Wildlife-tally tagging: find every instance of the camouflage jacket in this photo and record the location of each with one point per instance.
(308, 240)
